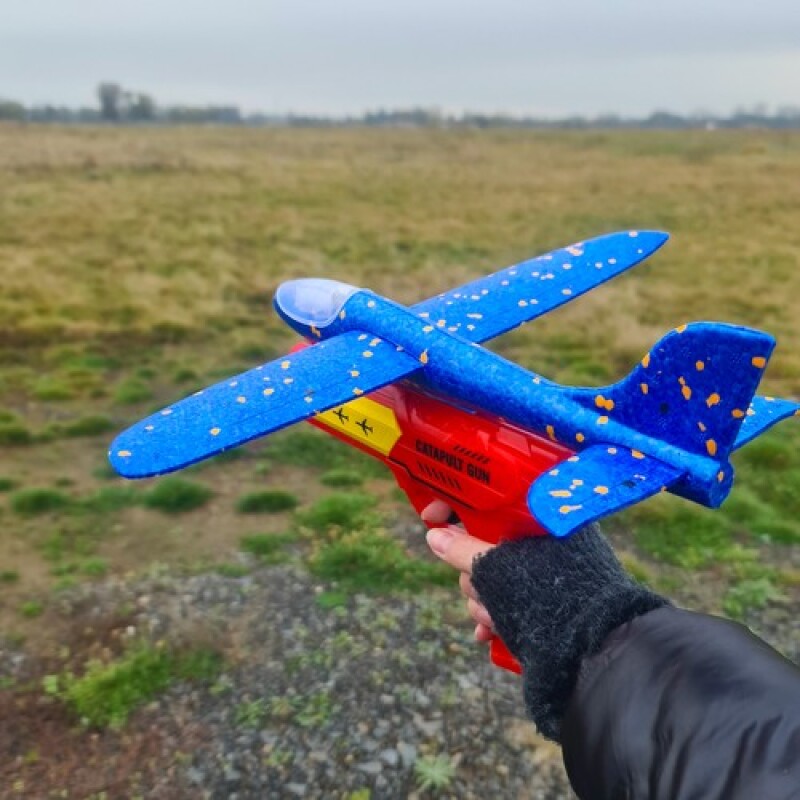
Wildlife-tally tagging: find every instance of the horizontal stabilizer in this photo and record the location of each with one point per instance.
(763, 413)
(599, 481)
(257, 402)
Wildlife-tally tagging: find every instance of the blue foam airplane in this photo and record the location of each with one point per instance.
(672, 423)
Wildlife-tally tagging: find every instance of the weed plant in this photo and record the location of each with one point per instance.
(31, 608)
(342, 478)
(176, 495)
(31, 502)
(434, 773)
(132, 391)
(346, 511)
(107, 693)
(269, 501)
(369, 560)
(14, 433)
(350, 548)
(270, 548)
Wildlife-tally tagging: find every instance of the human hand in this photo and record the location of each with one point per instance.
(453, 545)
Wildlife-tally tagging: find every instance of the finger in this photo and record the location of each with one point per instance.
(479, 613)
(437, 512)
(465, 582)
(456, 548)
(482, 633)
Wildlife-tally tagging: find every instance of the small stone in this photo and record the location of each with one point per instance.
(408, 753)
(390, 757)
(297, 789)
(195, 776)
(232, 775)
(421, 699)
(371, 767)
(429, 727)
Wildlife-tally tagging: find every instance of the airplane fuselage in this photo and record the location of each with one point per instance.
(461, 369)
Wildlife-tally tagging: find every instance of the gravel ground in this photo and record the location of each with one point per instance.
(321, 703)
(317, 702)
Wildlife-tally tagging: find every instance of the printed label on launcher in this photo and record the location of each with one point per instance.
(454, 462)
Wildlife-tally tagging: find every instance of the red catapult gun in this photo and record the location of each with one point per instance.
(480, 464)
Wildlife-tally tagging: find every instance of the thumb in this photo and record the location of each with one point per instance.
(456, 548)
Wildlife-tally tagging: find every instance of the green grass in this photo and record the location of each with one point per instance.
(307, 447)
(342, 478)
(132, 391)
(765, 501)
(112, 498)
(270, 501)
(228, 570)
(14, 433)
(176, 495)
(7, 484)
(270, 548)
(750, 595)
(184, 374)
(94, 567)
(251, 714)
(91, 425)
(371, 561)
(350, 548)
(50, 388)
(108, 692)
(341, 510)
(9, 576)
(679, 533)
(636, 569)
(34, 501)
(31, 609)
(189, 308)
(332, 599)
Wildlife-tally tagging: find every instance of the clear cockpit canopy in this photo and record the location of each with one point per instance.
(313, 301)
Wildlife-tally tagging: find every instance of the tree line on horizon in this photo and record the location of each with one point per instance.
(119, 106)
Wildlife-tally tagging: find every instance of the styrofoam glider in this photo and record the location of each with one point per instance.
(671, 424)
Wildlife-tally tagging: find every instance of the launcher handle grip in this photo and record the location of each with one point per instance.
(490, 525)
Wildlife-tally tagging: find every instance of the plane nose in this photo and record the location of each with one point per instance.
(313, 301)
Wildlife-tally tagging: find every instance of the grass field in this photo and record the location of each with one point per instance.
(137, 265)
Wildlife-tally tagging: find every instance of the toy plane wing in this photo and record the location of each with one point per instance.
(595, 483)
(497, 303)
(258, 402)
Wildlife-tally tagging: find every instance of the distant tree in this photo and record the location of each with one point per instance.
(11, 110)
(141, 107)
(111, 99)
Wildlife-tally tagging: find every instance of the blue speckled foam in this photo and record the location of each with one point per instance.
(670, 424)
(257, 402)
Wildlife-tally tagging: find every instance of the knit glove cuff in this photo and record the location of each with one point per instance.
(553, 602)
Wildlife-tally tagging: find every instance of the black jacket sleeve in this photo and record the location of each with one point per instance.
(648, 701)
(680, 705)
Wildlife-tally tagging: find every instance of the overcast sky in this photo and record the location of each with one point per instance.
(338, 56)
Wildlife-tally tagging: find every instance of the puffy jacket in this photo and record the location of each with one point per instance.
(684, 706)
(649, 702)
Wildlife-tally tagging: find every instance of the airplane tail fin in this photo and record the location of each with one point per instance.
(693, 389)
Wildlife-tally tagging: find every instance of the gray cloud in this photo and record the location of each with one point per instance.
(578, 55)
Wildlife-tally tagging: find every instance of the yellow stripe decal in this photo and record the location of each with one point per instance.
(369, 423)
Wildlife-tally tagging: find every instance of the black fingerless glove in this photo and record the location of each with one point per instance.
(553, 602)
